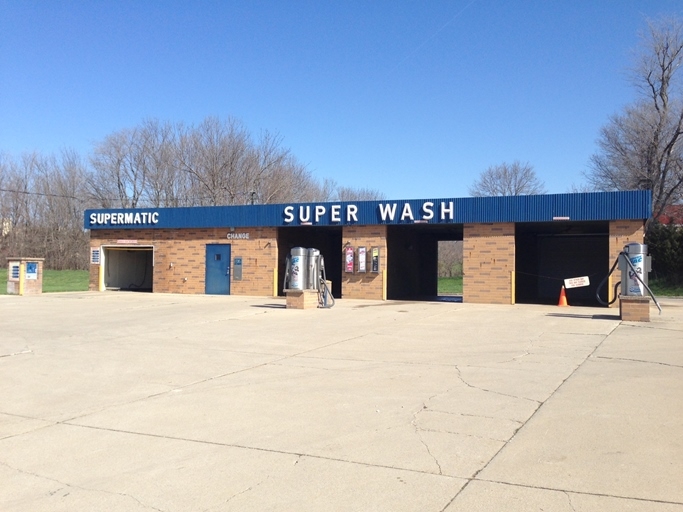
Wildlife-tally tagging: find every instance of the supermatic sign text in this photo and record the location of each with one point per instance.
(128, 218)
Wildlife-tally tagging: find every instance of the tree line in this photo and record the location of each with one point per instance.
(155, 164)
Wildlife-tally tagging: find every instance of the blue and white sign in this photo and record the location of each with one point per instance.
(635, 204)
(31, 270)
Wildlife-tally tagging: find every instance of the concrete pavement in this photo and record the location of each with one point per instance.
(138, 402)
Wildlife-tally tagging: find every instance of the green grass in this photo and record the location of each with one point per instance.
(77, 281)
(662, 288)
(65, 281)
(453, 285)
(450, 286)
(56, 281)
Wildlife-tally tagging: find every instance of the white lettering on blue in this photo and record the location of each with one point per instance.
(319, 212)
(289, 214)
(446, 210)
(351, 211)
(335, 211)
(407, 212)
(122, 219)
(427, 212)
(386, 210)
(302, 217)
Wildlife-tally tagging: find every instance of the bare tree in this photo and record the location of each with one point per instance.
(217, 156)
(358, 194)
(120, 174)
(41, 206)
(515, 179)
(450, 258)
(642, 147)
(18, 208)
(167, 185)
(273, 173)
(58, 232)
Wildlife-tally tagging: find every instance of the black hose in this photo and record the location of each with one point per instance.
(323, 289)
(288, 269)
(602, 283)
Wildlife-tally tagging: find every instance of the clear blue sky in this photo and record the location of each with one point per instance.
(413, 98)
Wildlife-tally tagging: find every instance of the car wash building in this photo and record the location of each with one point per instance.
(515, 249)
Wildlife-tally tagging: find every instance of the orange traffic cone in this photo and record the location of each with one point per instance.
(563, 298)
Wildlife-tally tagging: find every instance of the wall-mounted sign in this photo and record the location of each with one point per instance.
(633, 204)
(374, 264)
(237, 269)
(95, 255)
(348, 259)
(238, 236)
(134, 218)
(362, 259)
(576, 282)
(31, 270)
(127, 242)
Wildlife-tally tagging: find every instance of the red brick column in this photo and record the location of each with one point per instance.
(488, 263)
(368, 285)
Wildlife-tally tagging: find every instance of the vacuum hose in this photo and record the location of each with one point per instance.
(288, 269)
(324, 290)
(602, 283)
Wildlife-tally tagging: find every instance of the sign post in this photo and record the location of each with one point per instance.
(576, 282)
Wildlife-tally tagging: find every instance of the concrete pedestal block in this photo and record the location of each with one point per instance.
(634, 309)
(302, 299)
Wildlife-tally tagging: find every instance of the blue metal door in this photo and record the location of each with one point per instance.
(217, 269)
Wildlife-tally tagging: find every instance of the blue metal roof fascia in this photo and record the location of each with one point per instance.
(592, 206)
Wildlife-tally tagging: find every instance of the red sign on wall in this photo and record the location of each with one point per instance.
(348, 259)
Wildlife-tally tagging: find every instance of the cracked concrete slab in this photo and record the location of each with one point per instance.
(162, 402)
(12, 425)
(483, 496)
(615, 429)
(482, 427)
(66, 467)
(343, 415)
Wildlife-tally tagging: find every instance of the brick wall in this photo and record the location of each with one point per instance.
(488, 261)
(302, 299)
(94, 285)
(634, 309)
(366, 285)
(259, 262)
(186, 250)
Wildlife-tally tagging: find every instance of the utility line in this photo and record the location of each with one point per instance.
(44, 194)
(113, 200)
